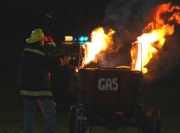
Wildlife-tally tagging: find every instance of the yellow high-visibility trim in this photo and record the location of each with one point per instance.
(35, 93)
(35, 51)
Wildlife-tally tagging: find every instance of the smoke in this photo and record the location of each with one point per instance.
(128, 18)
(165, 64)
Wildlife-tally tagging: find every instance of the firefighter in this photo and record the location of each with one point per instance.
(34, 80)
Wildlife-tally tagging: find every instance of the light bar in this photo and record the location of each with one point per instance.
(69, 40)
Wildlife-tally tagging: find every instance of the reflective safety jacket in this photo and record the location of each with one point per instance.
(33, 72)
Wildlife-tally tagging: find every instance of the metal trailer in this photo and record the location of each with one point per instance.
(112, 97)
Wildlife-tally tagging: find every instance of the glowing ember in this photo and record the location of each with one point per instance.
(148, 44)
(99, 42)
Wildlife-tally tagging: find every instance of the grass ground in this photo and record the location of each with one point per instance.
(166, 99)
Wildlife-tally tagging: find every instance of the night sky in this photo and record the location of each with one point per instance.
(57, 18)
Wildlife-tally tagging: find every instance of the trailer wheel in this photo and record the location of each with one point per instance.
(152, 121)
(72, 115)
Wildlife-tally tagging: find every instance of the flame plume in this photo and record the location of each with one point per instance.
(99, 42)
(165, 16)
(149, 43)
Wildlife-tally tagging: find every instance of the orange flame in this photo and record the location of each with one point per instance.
(99, 42)
(148, 44)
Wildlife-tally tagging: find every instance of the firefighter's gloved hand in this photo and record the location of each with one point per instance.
(66, 60)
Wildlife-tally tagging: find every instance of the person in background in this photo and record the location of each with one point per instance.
(34, 80)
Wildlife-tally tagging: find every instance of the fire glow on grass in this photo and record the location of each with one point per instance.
(148, 44)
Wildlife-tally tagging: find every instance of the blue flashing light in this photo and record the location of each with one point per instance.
(83, 38)
(82, 43)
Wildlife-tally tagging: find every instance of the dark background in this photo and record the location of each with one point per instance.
(80, 17)
(54, 17)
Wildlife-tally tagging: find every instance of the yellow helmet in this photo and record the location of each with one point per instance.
(36, 36)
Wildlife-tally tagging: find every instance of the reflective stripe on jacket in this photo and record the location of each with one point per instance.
(35, 93)
(35, 51)
(36, 62)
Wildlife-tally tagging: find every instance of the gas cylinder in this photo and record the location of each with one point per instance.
(81, 120)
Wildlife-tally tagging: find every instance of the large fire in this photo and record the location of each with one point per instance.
(149, 43)
(146, 45)
(99, 42)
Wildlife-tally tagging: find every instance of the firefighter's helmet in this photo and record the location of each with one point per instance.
(36, 36)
